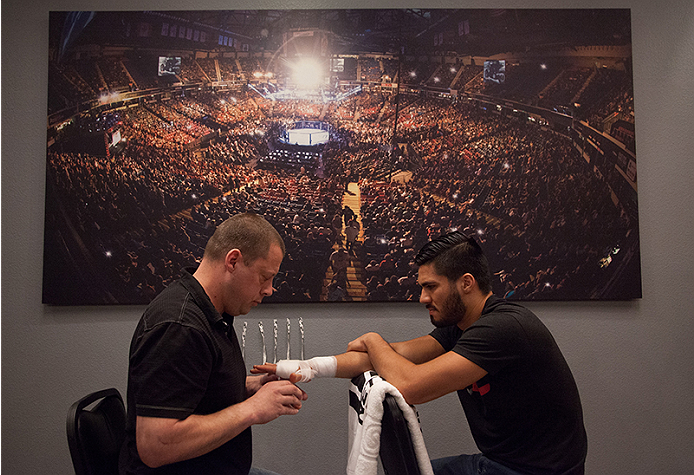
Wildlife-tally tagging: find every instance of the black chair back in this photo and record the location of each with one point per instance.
(95, 434)
(397, 451)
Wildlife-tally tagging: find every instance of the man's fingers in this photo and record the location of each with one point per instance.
(299, 393)
(268, 368)
(356, 345)
(291, 395)
(294, 402)
(288, 388)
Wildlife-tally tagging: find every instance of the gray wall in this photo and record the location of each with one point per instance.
(632, 361)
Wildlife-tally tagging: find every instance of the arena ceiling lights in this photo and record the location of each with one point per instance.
(307, 73)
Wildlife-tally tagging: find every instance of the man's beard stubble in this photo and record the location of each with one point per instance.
(451, 311)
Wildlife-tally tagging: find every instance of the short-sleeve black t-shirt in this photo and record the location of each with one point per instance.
(526, 412)
(185, 359)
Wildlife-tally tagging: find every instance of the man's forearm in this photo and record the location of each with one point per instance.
(419, 350)
(387, 362)
(433, 373)
(163, 441)
(352, 363)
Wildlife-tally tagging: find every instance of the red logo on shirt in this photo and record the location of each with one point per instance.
(481, 389)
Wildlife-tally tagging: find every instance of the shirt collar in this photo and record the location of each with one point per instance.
(203, 300)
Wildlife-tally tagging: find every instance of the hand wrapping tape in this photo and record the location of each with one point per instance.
(318, 367)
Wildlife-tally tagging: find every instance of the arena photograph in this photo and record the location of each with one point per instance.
(359, 134)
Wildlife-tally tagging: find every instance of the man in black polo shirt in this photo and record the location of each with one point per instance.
(516, 389)
(190, 404)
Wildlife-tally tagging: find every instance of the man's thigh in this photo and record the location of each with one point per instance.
(456, 465)
(469, 465)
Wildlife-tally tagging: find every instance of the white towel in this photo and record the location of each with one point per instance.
(365, 414)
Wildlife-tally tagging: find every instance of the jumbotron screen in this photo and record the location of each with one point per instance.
(495, 71)
(169, 65)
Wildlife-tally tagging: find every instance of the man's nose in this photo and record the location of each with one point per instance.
(267, 291)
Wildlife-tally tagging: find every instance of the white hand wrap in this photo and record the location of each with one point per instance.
(318, 367)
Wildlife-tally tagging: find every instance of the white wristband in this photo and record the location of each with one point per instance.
(318, 367)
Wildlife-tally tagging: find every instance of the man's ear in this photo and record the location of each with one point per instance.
(466, 283)
(232, 258)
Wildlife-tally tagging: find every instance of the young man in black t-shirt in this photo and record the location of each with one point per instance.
(516, 389)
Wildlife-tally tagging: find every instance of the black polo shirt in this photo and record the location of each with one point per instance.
(185, 359)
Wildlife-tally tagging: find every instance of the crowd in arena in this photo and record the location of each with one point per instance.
(523, 190)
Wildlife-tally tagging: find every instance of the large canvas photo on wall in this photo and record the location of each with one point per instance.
(359, 134)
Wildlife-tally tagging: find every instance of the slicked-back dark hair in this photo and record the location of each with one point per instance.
(455, 254)
(250, 233)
